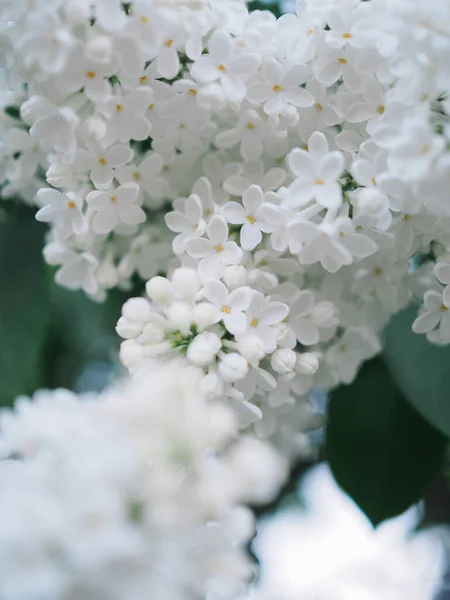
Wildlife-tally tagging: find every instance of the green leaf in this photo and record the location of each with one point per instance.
(420, 369)
(274, 7)
(25, 311)
(83, 332)
(381, 451)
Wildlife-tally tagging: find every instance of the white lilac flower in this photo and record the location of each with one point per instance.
(115, 207)
(230, 306)
(262, 314)
(248, 215)
(216, 251)
(435, 313)
(129, 449)
(126, 119)
(280, 88)
(317, 171)
(188, 224)
(306, 317)
(225, 65)
(64, 210)
(101, 163)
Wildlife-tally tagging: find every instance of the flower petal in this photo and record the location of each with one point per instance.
(274, 313)
(217, 230)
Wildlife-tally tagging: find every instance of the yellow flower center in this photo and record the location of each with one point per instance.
(373, 180)
(319, 107)
(192, 92)
(444, 308)
(143, 19)
(151, 106)
(137, 176)
(91, 74)
(143, 79)
(277, 88)
(346, 36)
(406, 217)
(71, 204)
(250, 125)
(219, 248)
(169, 43)
(342, 60)
(309, 32)
(113, 199)
(380, 109)
(377, 271)
(102, 161)
(425, 149)
(226, 310)
(119, 107)
(221, 67)
(251, 219)
(254, 323)
(319, 181)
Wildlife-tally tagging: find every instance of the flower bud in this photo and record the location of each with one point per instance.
(252, 348)
(159, 289)
(137, 309)
(211, 385)
(107, 274)
(131, 353)
(204, 313)
(369, 201)
(233, 367)
(283, 361)
(281, 331)
(59, 175)
(153, 334)
(203, 349)
(93, 128)
(185, 282)
(99, 49)
(235, 276)
(324, 314)
(76, 12)
(128, 329)
(181, 315)
(33, 108)
(307, 363)
(156, 350)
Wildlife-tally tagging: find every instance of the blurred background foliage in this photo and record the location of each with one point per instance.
(49, 336)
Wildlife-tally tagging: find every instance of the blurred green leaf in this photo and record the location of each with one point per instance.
(420, 370)
(25, 310)
(83, 332)
(380, 450)
(274, 7)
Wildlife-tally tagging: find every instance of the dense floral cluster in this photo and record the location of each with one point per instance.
(139, 491)
(301, 164)
(281, 184)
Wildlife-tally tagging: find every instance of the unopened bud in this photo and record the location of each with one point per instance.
(283, 361)
(235, 276)
(159, 289)
(307, 363)
(233, 367)
(202, 351)
(99, 49)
